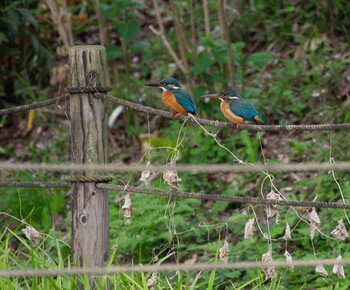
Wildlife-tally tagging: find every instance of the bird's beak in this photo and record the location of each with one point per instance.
(154, 85)
(212, 96)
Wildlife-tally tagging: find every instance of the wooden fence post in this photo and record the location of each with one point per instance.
(90, 216)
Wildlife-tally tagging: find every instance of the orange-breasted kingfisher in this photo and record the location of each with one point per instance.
(236, 109)
(175, 98)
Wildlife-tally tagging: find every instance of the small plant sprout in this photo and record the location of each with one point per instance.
(270, 272)
(152, 280)
(249, 229)
(224, 252)
(321, 270)
(33, 235)
(272, 209)
(287, 232)
(340, 231)
(338, 268)
(315, 222)
(289, 260)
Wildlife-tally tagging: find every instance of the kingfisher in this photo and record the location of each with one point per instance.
(236, 109)
(174, 97)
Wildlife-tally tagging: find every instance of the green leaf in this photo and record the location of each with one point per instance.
(3, 37)
(203, 63)
(128, 30)
(113, 52)
(259, 59)
(28, 16)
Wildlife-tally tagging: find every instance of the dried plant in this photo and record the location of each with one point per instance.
(249, 229)
(270, 272)
(224, 252)
(289, 259)
(340, 231)
(62, 19)
(338, 268)
(321, 270)
(287, 233)
(315, 222)
(33, 235)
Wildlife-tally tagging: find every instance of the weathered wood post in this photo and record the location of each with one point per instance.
(90, 217)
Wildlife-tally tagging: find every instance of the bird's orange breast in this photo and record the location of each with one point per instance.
(226, 110)
(171, 103)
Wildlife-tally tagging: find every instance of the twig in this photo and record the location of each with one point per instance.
(226, 36)
(161, 33)
(206, 17)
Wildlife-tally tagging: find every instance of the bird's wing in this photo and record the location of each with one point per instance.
(185, 100)
(246, 110)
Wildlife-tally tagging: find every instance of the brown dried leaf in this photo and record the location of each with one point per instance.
(33, 235)
(128, 208)
(171, 178)
(272, 209)
(249, 229)
(320, 269)
(287, 233)
(270, 272)
(339, 268)
(289, 259)
(340, 231)
(224, 251)
(315, 222)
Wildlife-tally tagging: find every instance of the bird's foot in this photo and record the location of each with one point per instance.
(236, 125)
(176, 115)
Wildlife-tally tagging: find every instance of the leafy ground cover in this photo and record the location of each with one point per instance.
(290, 60)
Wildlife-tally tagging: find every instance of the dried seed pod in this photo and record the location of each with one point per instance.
(272, 209)
(287, 233)
(33, 235)
(224, 251)
(152, 280)
(171, 178)
(340, 231)
(321, 270)
(315, 223)
(289, 259)
(249, 229)
(338, 268)
(270, 272)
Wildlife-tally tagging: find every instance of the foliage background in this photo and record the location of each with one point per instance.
(290, 59)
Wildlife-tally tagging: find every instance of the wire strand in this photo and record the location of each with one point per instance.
(202, 196)
(34, 105)
(168, 268)
(214, 123)
(194, 168)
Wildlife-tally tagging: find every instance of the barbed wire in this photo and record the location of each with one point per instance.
(194, 168)
(175, 193)
(98, 93)
(168, 268)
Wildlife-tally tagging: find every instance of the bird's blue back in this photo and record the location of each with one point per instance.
(244, 109)
(184, 99)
